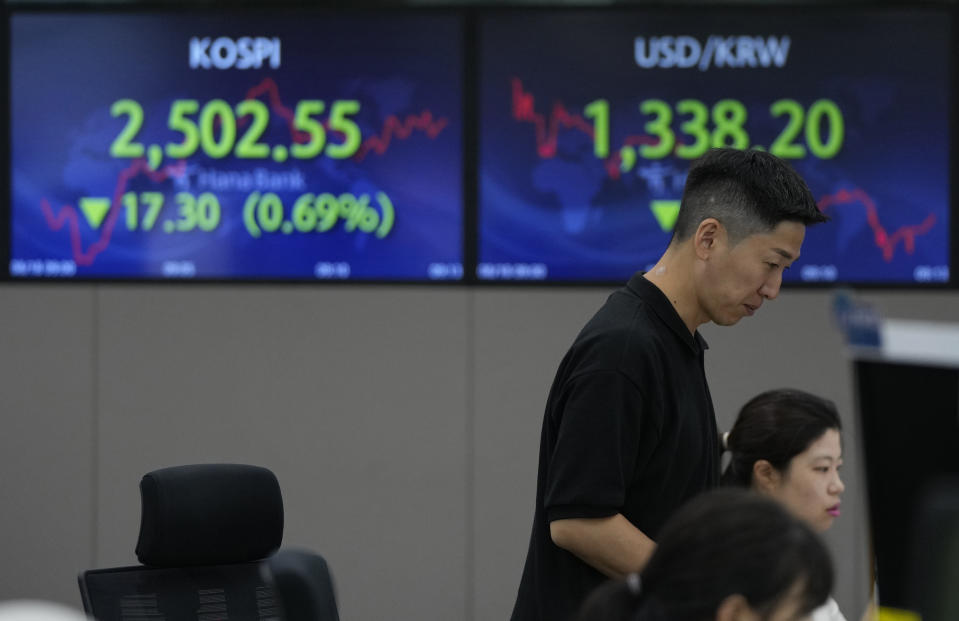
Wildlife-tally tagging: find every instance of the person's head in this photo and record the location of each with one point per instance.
(786, 444)
(744, 215)
(727, 555)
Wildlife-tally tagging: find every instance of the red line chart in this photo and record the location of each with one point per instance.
(393, 127)
(68, 215)
(401, 130)
(547, 127)
(547, 131)
(883, 239)
(269, 88)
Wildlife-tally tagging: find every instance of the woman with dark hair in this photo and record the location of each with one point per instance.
(786, 444)
(727, 555)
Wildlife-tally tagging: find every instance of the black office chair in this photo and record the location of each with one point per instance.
(204, 532)
(303, 582)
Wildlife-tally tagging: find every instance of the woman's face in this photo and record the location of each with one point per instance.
(810, 486)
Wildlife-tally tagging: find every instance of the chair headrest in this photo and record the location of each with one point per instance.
(209, 514)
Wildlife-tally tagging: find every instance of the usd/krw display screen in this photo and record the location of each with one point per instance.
(280, 145)
(589, 120)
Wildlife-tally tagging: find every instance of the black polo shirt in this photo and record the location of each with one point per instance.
(629, 428)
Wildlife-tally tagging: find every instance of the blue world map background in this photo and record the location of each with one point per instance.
(578, 219)
(400, 69)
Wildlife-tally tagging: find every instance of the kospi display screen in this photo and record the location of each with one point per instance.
(589, 120)
(236, 145)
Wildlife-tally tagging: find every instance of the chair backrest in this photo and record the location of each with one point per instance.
(303, 584)
(203, 531)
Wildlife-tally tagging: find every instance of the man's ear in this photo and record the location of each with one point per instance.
(765, 476)
(709, 234)
(735, 608)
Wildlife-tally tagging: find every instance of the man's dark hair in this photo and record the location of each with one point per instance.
(749, 192)
(776, 426)
(721, 543)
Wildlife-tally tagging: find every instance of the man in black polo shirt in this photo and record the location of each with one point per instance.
(629, 432)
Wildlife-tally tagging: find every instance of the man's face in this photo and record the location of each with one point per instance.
(735, 280)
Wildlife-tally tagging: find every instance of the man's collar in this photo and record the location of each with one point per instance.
(664, 309)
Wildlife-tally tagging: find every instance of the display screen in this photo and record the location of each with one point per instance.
(588, 121)
(236, 146)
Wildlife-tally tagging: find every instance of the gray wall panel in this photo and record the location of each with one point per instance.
(355, 397)
(47, 440)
